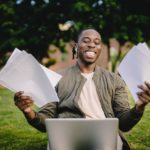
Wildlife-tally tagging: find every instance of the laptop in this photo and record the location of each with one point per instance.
(82, 134)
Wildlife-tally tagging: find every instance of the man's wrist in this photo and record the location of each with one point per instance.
(30, 115)
(139, 109)
(136, 114)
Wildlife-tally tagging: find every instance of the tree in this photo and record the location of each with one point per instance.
(32, 25)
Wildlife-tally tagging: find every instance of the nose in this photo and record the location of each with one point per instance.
(91, 45)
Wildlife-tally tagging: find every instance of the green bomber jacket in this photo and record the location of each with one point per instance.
(112, 95)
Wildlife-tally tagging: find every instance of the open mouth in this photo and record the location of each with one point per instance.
(90, 54)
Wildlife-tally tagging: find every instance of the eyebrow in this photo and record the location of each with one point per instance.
(89, 38)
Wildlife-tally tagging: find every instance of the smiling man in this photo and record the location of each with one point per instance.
(89, 45)
(88, 91)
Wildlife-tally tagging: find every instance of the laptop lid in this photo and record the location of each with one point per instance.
(82, 134)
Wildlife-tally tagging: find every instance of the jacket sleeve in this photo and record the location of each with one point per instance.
(127, 117)
(47, 111)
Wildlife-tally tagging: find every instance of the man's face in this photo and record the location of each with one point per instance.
(89, 46)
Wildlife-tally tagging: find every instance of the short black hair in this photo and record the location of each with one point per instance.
(81, 31)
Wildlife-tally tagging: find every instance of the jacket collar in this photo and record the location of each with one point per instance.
(97, 72)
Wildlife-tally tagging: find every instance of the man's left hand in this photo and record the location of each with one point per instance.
(144, 96)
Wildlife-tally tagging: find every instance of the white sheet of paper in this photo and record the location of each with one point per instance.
(23, 73)
(52, 76)
(135, 68)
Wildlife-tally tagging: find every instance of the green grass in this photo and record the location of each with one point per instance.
(139, 136)
(17, 134)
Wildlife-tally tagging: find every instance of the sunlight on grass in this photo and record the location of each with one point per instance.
(17, 134)
(139, 136)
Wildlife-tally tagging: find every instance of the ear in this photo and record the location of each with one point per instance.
(73, 45)
(76, 47)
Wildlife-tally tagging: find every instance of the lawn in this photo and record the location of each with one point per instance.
(16, 134)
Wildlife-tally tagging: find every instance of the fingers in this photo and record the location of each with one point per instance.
(144, 100)
(144, 95)
(22, 101)
(23, 106)
(17, 95)
(147, 84)
(145, 89)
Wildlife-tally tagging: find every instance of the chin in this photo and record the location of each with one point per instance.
(89, 62)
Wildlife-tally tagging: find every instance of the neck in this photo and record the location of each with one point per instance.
(86, 68)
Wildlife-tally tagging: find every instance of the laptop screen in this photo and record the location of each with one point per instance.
(82, 134)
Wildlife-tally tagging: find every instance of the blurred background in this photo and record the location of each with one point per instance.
(47, 28)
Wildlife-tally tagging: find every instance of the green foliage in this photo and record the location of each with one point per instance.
(33, 25)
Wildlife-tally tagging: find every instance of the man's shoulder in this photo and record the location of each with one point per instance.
(114, 76)
(66, 70)
(105, 71)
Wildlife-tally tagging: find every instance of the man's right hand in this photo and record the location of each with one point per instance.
(24, 103)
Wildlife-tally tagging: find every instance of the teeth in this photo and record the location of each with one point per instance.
(90, 54)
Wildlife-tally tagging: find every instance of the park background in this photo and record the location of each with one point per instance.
(47, 29)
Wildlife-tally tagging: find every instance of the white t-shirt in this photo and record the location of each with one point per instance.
(89, 102)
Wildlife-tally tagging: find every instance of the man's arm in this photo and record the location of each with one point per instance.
(36, 119)
(127, 117)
